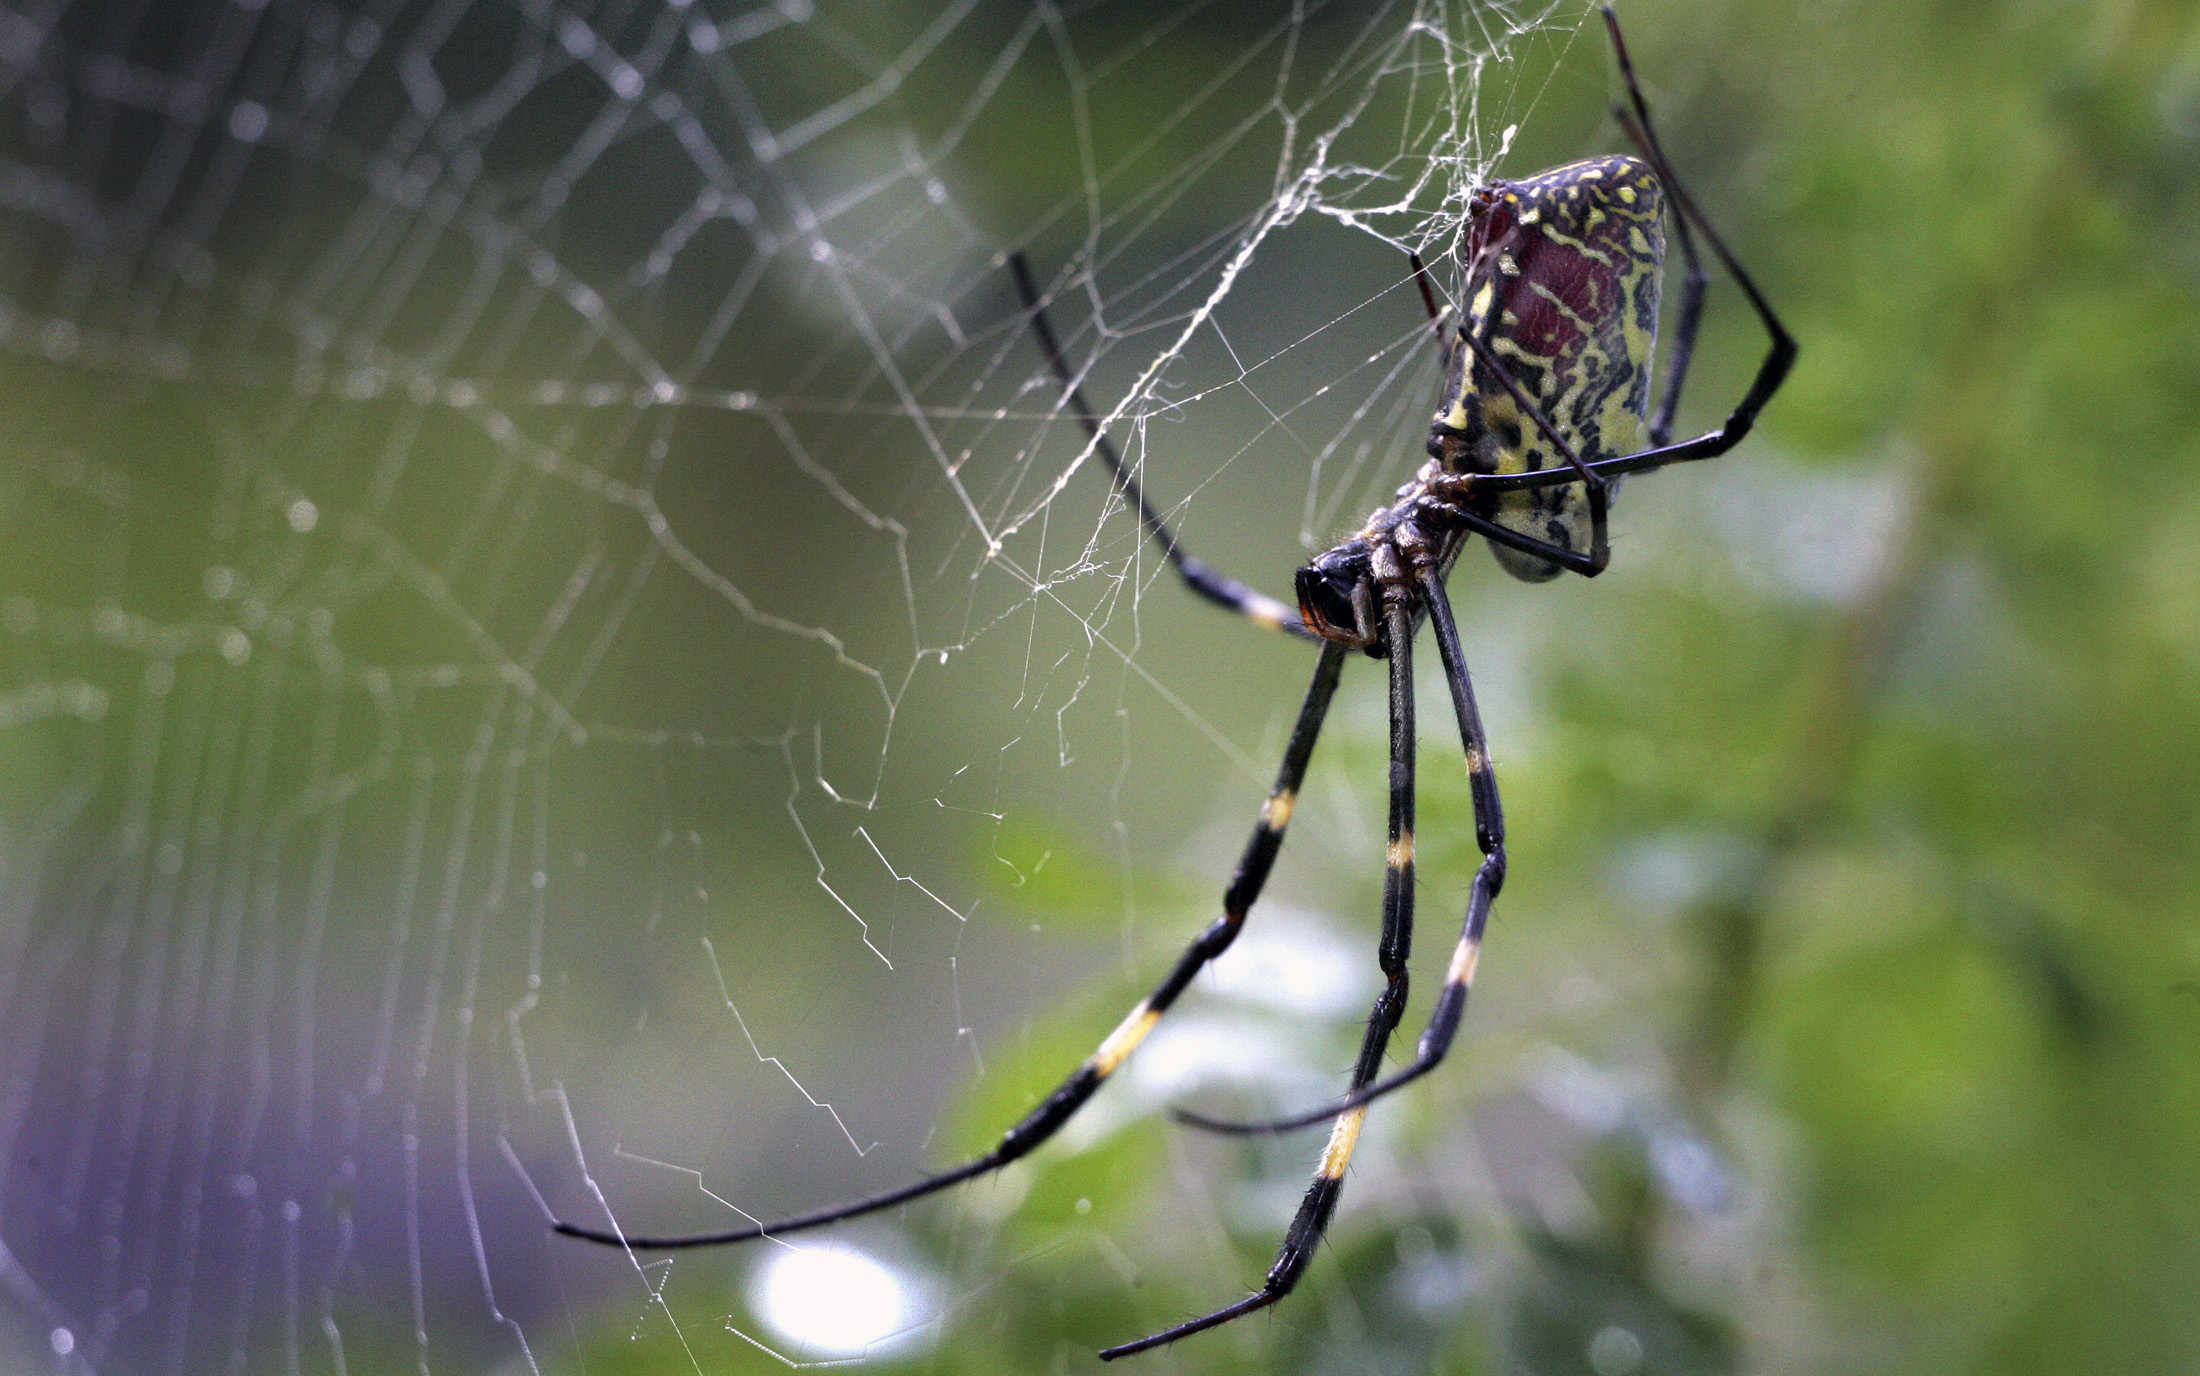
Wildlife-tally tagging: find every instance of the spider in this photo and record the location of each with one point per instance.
(1546, 388)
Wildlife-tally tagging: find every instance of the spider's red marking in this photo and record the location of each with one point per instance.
(1559, 286)
(1560, 253)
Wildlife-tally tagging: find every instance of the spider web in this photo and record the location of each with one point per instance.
(562, 656)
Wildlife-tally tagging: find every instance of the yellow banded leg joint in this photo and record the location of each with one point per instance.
(1463, 962)
(1125, 1039)
(1344, 1135)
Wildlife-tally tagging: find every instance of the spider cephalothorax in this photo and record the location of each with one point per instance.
(1341, 591)
(1337, 596)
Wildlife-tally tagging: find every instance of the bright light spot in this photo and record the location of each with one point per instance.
(1690, 1171)
(1808, 535)
(1590, 1098)
(302, 515)
(235, 645)
(1294, 966)
(833, 1300)
(1195, 1049)
(247, 121)
(1615, 1352)
(62, 1341)
(1669, 873)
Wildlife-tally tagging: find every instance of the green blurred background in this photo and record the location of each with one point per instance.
(496, 579)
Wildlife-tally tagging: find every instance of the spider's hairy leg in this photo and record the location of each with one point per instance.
(1693, 285)
(1489, 833)
(1599, 555)
(1045, 1120)
(1428, 299)
(1304, 1236)
(1219, 588)
(1686, 325)
(1588, 564)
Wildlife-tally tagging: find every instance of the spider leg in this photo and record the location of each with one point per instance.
(1320, 1203)
(1216, 587)
(1693, 286)
(1042, 1122)
(1778, 359)
(1600, 551)
(1428, 299)
(1489, 832)
(1587, 565)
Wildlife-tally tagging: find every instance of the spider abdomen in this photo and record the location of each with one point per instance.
(1562, 279)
